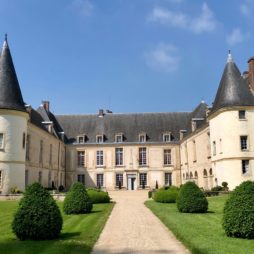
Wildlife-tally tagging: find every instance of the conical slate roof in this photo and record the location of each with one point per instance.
(232, 89)
(10, 93)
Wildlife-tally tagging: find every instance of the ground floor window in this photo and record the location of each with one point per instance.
(99, 180)
(168, 179)
(81, 178)
(143, 179)
(245, 166)
(119, 180)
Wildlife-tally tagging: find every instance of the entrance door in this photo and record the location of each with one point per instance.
(131, 182)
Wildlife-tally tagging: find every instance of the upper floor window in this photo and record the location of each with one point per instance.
(1, 140)
(119, 138)
(81, 158)
(142, 156)
(81, 139)
(167, 157)
(241, 114)
(119, 156)
(166, 137)
(142, 138)
(214, 148)
(245, 166)
(99, 139)
(244, 142)
(99, 158)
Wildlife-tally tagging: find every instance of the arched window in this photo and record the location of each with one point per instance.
(210, 172)
(191, 175)
(205, 173)
(196, 174)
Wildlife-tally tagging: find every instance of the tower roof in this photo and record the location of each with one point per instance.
(232, 89)
(10, 93)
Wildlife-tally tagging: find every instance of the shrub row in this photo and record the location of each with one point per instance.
(98, 196)
(168, 195)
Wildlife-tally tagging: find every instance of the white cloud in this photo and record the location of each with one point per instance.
(205, 22)
(82, 7)
(168, 17)
(235, 37)
(163, 58)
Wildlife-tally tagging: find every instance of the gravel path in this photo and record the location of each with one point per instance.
(133, 228)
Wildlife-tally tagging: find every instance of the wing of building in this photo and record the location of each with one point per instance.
(208, 145)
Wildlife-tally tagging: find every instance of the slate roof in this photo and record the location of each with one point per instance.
(130, 125)
(10, 93)
(232, 90)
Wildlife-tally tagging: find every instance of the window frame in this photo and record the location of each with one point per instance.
(142, 136)
(83, 136)
(244, 146)
(142, 156)
(119, 156)
(100, 182)
(245, 167)
(98, 139)
(117, 136)
(3, 141)
(142, 177)
(168, 182)
(99, 158)
(119, 178)
(167, 134)
(242, 116)
(81, 159)
(167, 157)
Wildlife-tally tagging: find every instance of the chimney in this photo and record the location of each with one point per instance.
(245, 74)
(251, 72)
(182, 132)
(45, 105)
(101, 113)
(193, 125)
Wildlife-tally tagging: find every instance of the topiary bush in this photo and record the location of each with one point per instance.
(38, 216)
(166, 196)
(238, 217)
(77, 200)
(191, 199)
(98, 196)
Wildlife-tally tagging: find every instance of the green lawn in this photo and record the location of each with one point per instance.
(79, 233)
(201, 233)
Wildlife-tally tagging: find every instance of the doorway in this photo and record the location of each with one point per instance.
(131, 182)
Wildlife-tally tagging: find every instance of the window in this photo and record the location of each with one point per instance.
(119, 180)
(40, 177)
(81, 139)
(81, 178)
(244, 142)
(142, 179)
(245, 166)
(28, 147)
(24, 140)
(142, 138)
(99, 158)
(1, 140)
(168, 179)
(50, 155)
(166, 137)
(99, 180)
(214, 148)
(119, 138)
(241, 114)
(99, 139)
(81, 158)
(41, 152)
(142, 156)
(167, 157)
(119, 156)
(1, 176)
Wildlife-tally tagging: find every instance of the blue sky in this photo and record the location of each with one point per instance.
(125, 55)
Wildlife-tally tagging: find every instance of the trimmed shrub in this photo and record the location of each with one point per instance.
(38, 216)
(238, 218)
(191, 199)
(77, 200)
(217, 188)
(98, 196)
(166, 196)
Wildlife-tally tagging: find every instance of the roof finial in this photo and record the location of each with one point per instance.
(5, 37)
(5, 41)
(230, 58)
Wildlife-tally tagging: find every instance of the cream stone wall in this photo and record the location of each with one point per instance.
(155, 167)
(196, 159)
(51, 164)
(226, 129)
(13, 125)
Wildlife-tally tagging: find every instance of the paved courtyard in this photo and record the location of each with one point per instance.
(132, 228)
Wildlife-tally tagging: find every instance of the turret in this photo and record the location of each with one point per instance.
(13, 125)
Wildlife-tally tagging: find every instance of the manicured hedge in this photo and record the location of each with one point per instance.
(168, 195)
(238, 218)
(77, 200)
(38, 217)
(98, 196)
(191, 199)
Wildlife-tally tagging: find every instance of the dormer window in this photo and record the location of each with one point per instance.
(166, 137)
(99, 139)
(81, 139)
(142, 137)
(119, 138)
(242, 114)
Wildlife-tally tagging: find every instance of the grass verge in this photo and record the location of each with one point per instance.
(201, 233)
(79, 234)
